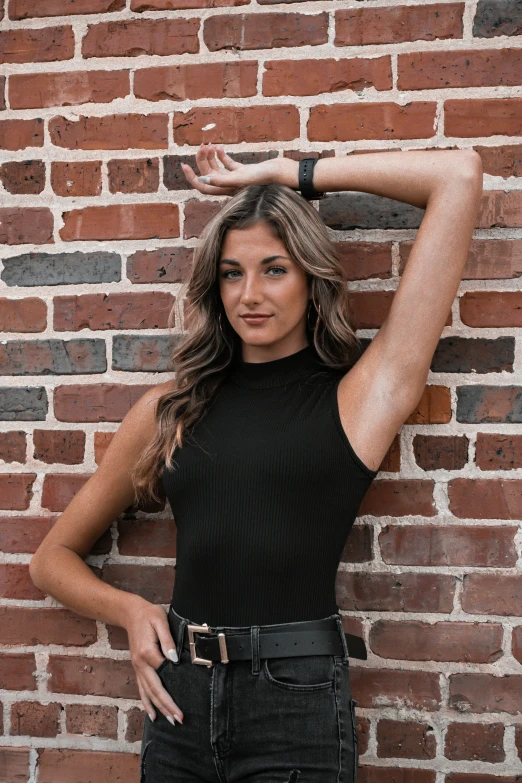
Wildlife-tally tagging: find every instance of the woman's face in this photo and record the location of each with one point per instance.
(257, 276)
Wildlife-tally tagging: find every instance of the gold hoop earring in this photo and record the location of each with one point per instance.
(219, 322)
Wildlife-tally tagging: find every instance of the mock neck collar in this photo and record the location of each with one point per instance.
(277, 372)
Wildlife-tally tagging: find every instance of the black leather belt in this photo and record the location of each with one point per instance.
(313, 637)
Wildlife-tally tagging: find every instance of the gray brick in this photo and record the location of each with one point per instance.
(174, 178)
(26, 404)
(347, 210)
(483, 404)
(497, 17)
(52, 357)
(35, 269)
(143, 353)
(460, 354)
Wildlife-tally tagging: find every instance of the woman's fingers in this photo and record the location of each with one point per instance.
(226, 160)
(154, 694)
(209, 190)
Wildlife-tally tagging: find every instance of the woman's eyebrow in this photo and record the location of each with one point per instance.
(264, 261)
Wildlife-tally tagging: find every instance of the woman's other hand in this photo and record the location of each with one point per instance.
(147, 628)
(226, 180)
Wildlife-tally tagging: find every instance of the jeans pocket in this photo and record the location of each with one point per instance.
(162, 664)
(353, 702)
(301, 673)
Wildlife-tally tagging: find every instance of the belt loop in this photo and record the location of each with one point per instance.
(254, 638)
(339, 622)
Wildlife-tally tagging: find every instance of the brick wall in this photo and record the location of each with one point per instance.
(100, 100)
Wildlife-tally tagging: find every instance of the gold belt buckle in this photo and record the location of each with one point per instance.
(192, 642)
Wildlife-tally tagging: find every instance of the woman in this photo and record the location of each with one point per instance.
(265, 444)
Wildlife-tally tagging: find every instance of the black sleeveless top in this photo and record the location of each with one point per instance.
(264, 493)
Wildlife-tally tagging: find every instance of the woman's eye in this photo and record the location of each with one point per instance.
(230, 272)
(278, 269)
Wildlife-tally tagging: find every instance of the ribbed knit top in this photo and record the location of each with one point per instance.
(264, 493)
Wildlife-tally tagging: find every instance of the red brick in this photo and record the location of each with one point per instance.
(434, 407)
(24, 9)
(364, 260)
(485, 498)
(23, 176)
(449, 545)
(23, 533)
(362, 26)
(444, 641)
(13, 446)
(147, 538)
(45, 625)
(16, 490)
(161, 265)
(35, 720)
(15, 762)
(36, 90)
(399, 497)
(471, 117)
(482, 403)
(43, 45)
(380, 688)
(491, 308)
(16, 583)
(137, 37)
(96, 402)
(264, 31)
(388, 592)
(101, 444)
(236, 124)
(500, 209)
(503, 161)
(133, 176)
(113, 311)
(121, 221)
(475, 742)
(465, 68)
(492, 594)
(303, 77)
(487, 258)
(405, 739)
(484, 693)
(94, 764)
(19, 134)
(92, 720)
(76, 178)
(498, 451)
(358, 546)
(474, 777)
(435, 452)
(386, 120)
(517, 650)
(2, 91)
(23, 315)
(20, 225)
(113, 132)
(59, 489)
(64, 446)
(201, 80)
(176, 5)
(197, 215)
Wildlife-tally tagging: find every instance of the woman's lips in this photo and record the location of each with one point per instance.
(257, 319)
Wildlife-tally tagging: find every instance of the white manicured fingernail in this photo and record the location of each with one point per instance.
(206, 180)
(170, 720)
(178, 719)
(173, 655)
(151, 716)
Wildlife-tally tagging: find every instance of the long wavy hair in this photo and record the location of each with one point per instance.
(203, 356)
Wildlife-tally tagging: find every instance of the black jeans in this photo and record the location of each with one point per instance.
(276, 720)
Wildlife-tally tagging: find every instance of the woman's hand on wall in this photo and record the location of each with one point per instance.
(215, 180)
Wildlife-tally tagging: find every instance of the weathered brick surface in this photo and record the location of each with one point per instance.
(362, 26)
(134, 38)
(44, 44)
(101, 101)
(30, 91)
(204, 80)
(36, 269)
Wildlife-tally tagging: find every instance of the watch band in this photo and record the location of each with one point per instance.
(306, 175)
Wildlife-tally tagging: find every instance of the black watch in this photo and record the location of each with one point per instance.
(306, 175)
